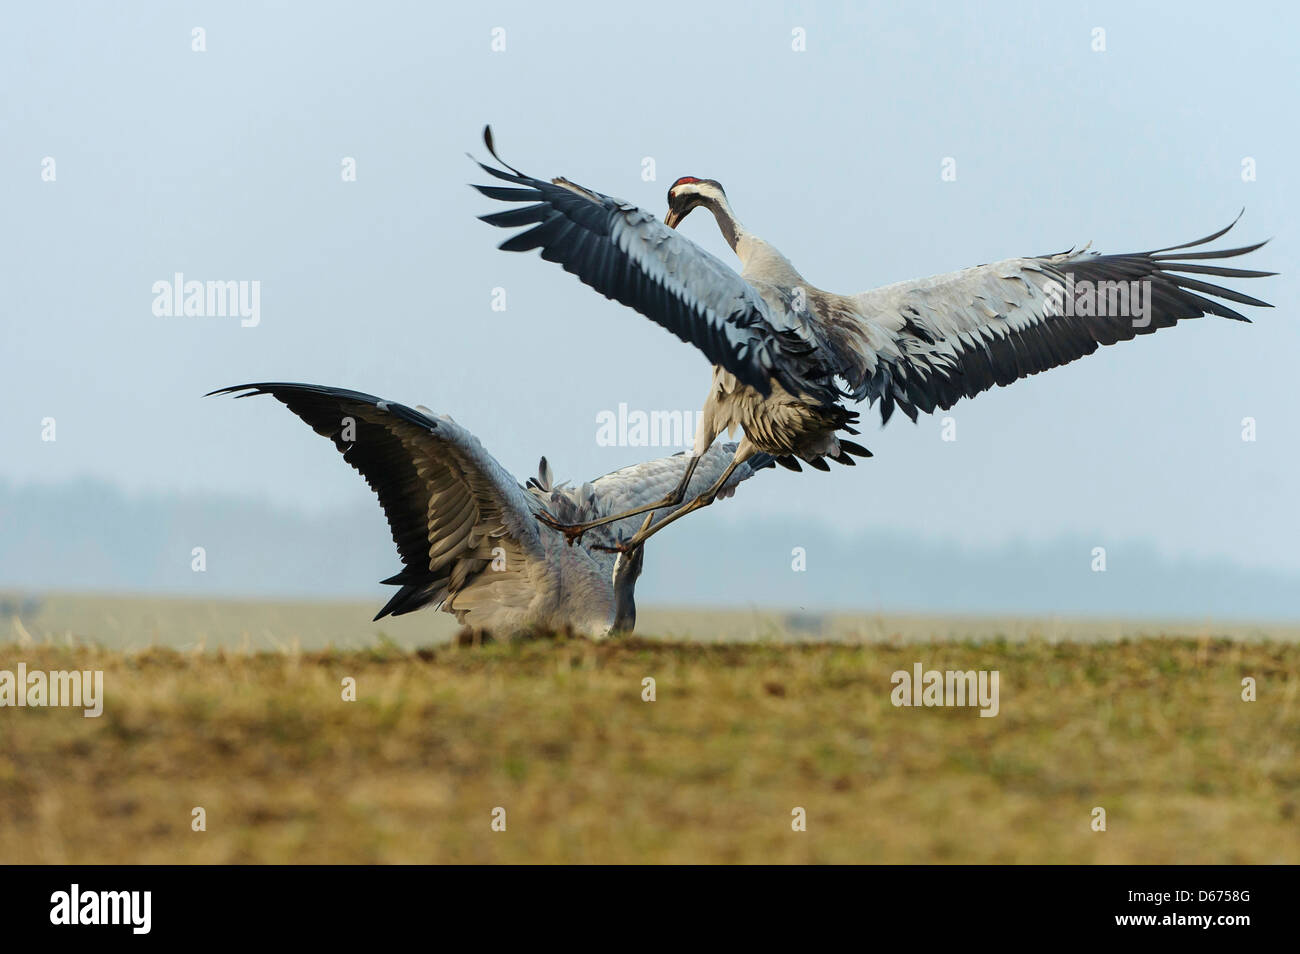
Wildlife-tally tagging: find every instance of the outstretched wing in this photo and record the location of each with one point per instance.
(626, 254)
(937, 340)
(447, 500)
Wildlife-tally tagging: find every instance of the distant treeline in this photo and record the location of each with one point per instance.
(90, 535)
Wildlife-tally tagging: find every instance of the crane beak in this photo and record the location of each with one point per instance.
(672, 218)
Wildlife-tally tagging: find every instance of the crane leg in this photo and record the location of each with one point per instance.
(573, 531)
(703, 500)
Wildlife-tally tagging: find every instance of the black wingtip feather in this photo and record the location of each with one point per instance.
(491, 148)
(1201, 241)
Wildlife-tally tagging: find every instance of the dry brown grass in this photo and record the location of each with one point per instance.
(1154, 731)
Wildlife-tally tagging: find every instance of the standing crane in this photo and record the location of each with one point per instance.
(787, 355)
(468, 534)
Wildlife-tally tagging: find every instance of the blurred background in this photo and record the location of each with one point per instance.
(129, 154)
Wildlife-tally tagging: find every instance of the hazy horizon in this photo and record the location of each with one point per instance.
(88, 537)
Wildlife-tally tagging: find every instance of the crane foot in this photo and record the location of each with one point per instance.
(572, 531)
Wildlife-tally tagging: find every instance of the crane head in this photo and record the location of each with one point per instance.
(687, 193)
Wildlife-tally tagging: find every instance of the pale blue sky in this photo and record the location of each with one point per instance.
(226, 165)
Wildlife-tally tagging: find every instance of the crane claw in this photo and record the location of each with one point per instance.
(572, 532)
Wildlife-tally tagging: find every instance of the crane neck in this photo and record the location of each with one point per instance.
(627, 569)
(624, 611)
(731, 228)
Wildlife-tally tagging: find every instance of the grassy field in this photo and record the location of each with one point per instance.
(556, 733)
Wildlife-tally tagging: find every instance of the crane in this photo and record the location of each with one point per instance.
(466, 531)
(787, 355)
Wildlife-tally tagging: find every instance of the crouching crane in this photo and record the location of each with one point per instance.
(787, 355)
(468, 534)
